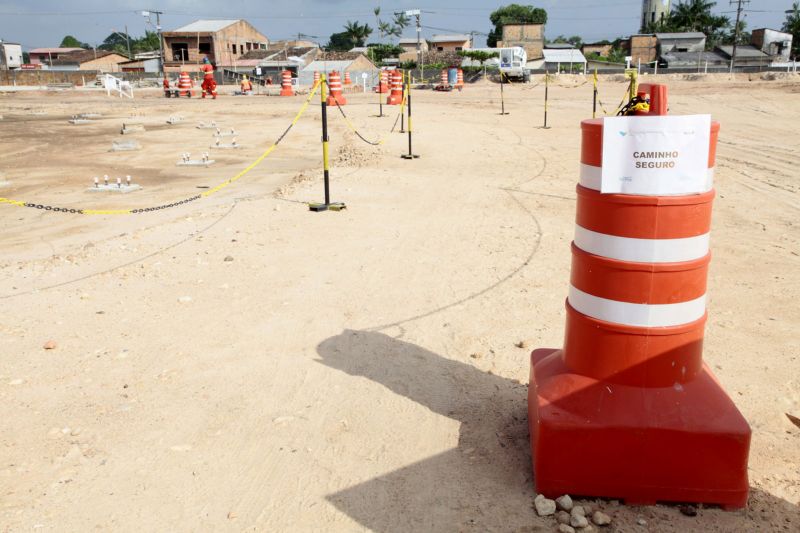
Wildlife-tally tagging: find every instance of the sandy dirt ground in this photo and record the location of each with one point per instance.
(241, 364)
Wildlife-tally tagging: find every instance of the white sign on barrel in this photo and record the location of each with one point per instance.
(656, 156)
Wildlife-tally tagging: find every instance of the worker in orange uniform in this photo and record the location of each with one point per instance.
(247, 86)
(209, 83)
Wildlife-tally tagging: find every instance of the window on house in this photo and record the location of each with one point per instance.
(204, 48)
(233, 49)
(440, 49)
(459, 48)
(249, 46)
(180, 51)
(241, 48)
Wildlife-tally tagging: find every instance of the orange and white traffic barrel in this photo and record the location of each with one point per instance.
(185, 84)
(347, 80)
(443, 78)
(396, 96)
(383, 82)
(335, 86)
(627, 409)
(460, 80)
(286, 83)
(316, 77)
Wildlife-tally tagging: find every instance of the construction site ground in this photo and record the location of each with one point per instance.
(238, 363)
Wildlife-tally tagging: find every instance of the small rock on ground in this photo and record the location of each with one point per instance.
(577, 518)
(49, 345)
(544, 507)
(688, 510)
(562, 517)
(564, 528)
(641, 522)
(564, 503)
(601, 519)
(228, 258)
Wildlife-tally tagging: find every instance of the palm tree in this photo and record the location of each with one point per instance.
(357, 33)
(691, 14)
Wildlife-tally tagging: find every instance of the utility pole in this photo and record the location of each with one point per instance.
(416, 14)
(739, 10)
(160, 38)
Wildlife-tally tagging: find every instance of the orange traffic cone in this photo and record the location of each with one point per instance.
(396, 96)
(627, 409)
(347, 80)
(185, 85)
(335, 85)
(286, 83)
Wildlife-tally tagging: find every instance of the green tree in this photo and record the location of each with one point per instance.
(478, 55)
(116, 42)
(513, 14)
(695, 15)
(792, 25)
(148, 43)
(576, 41)
(71, 42)
(744, 35)
(357, 33)
(340, 42)
(379, 51)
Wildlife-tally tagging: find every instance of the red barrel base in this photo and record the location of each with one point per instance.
(331, 101)
(684, 443)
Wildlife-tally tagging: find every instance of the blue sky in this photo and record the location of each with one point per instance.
(45, 22)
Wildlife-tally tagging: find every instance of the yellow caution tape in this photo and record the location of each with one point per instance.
(205, 194)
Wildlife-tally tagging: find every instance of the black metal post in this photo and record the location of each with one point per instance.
(380, 95)
(410, 154)
(546, 92)
(502, 98)
(325, 166)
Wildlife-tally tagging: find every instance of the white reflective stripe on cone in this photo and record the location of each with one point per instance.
(641, 250)
(637, 315)
(591, 178)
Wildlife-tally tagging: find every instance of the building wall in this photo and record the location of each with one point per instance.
(603, 50)
(222, 48)
(643, 48)
(45, 77)
(773, 42)
(682, 45)
(451, 46)
(412, 47)
(10, 56)
(244, 36)
(530, 37)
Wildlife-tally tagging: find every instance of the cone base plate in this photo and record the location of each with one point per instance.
(336, 206)
(683, 443)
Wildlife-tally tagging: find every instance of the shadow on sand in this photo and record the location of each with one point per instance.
(484, 484)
